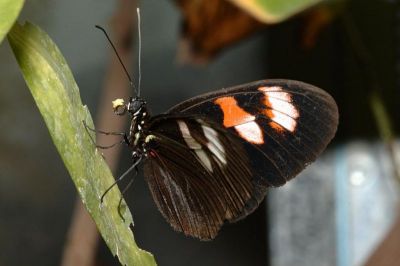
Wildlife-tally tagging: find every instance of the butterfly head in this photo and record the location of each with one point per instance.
(134, 107)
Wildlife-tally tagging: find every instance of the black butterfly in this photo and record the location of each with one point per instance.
(212, 158)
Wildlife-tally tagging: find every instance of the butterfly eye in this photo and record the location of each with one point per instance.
(119, 106)
(135, 105)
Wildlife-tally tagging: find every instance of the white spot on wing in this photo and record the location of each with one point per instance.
(194, 145)
(204, 159)
(284, 107)
(283, 111)
(190, 141)
(276, 92)
(250, 132)
(214, 144)
(284, 120)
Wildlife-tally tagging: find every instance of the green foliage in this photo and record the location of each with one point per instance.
(284, 9)
(57, 97)
(274, 11)
(9, 11)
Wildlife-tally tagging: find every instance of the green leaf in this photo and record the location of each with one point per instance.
(274, 11)
(57, 96)
(9, 11)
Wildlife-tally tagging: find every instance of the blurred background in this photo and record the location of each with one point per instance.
(342, 210)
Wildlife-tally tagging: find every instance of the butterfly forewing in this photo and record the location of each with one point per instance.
(289, 122)
(211, 158)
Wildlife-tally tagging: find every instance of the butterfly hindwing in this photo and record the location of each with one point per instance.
(198, 176)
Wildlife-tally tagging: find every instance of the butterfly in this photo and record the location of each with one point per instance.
(211, 159)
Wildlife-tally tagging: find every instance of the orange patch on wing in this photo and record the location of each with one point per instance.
(233, 114)
(276, 126)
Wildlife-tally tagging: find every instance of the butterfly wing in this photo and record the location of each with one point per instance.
(283, 124)
(198, 175)
(270, 129)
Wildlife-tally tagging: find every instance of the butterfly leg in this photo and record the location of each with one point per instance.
(134, 166)
(124, 191)
(123, 134)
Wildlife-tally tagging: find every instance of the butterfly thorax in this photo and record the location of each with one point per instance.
(137, 109)
(136, 130)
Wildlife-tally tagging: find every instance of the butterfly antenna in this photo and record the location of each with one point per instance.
(140, 49)
(119, 58)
